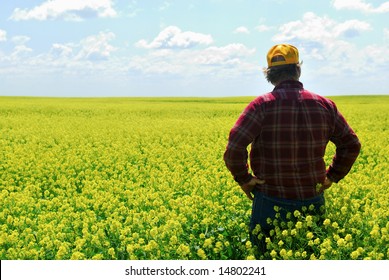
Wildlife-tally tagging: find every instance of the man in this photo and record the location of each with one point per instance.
(288, 129)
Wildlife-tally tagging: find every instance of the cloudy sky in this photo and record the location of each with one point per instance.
(189, 48)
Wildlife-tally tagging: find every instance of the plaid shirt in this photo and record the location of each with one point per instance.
(289, 129)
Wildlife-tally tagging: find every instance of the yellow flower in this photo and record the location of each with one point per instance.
(354, 255)
(257, 229)
(207, 243)
(130, 248)
(309, 235)
(98, 257)
(173, 240)
(201, 254)
(154, 232)
(375, 232)
(62, 252)
(341, 242)
(183, 250)
(327, 222)
(318, 187)
(111, 253)
(309, 220)
(77, 256)
(151, 245)
(288, 216)
(290, 253)
(9, 219)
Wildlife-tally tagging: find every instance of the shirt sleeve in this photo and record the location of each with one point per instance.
(347, 149)
(241, 136)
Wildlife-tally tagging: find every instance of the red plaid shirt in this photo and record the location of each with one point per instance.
(289, 129)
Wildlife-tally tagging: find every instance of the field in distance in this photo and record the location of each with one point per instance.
(144, 178)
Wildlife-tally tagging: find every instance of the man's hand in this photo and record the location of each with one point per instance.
(248, 187)
(326, 184)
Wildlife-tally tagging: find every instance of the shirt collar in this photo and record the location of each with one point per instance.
(289, 84)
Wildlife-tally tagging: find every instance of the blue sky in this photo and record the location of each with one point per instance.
(188, 48)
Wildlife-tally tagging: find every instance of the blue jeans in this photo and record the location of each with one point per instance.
(263, 208)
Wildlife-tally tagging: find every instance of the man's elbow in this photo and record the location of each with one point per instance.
(357, 146)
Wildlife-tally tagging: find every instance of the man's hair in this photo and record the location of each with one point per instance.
(281, 73)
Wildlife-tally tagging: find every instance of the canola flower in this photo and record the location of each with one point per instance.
(144, 179)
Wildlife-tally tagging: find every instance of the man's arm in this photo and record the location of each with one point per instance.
(347, 149)
(241, 136)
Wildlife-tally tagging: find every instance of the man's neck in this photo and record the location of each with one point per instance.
(276, 84)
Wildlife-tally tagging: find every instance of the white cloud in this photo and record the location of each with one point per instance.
(242, 29)
(231, 54)
(93, 57)
(3, 35)
(377, 55)
(92, 54)
(165, 5)
(97, 47)
(351, 28)
(322, 30)
(92, 48)
(20, 52)
(20, 40)
(134, 10)
(172, 52)
(386, 34)
(263, 28)
(173, 37)
(360, 5)
(60, 50)
(67, 9)
(326, 43)
(232, 60)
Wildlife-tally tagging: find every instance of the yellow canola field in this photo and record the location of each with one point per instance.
(144, 178)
